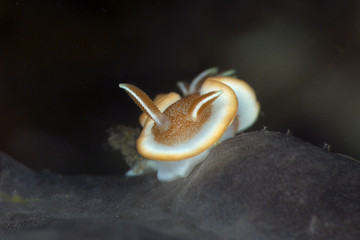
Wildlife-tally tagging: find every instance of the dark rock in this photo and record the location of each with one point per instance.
(16, 177)
(259, 185)
(90, 229)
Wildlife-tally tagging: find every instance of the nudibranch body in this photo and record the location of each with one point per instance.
(178, 132)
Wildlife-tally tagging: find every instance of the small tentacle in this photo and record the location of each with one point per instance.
(227, 73)
(195, 84)
(184, 87)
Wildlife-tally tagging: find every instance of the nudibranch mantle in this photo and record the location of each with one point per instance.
(179, 132)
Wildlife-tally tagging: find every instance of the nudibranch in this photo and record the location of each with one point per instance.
(178, 132)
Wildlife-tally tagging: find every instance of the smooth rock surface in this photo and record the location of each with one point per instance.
(258, 185)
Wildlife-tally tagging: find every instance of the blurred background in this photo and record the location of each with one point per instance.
(61, 62)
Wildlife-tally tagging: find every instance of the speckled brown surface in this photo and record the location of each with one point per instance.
(258, 185)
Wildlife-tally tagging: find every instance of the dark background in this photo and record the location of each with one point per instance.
(61, 62)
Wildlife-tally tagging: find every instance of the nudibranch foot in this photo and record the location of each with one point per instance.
(178, 133)
(170, 170)
(142, 168)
